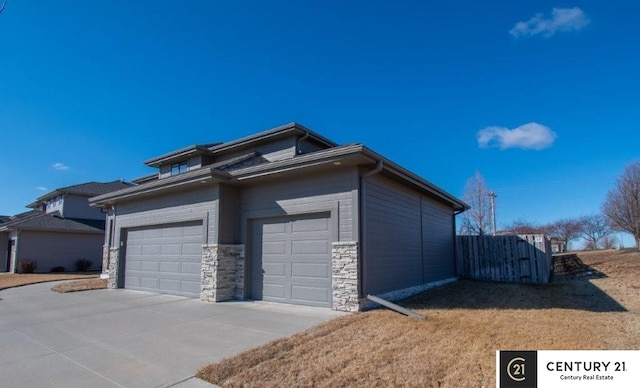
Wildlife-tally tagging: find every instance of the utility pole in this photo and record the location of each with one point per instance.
(493, 196)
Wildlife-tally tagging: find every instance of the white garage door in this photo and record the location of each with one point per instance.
(291, 260)
(165, 259)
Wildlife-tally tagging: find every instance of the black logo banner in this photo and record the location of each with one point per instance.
(518, 369)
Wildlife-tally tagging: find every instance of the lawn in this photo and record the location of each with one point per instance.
(8, 280)
(595, 305)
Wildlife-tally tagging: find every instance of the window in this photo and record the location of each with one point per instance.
(179, 168)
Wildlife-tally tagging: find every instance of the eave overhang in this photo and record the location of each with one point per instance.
(179, 155)
(200, 176)
(336, 157)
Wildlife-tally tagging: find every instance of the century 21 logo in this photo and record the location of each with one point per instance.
(518, 369)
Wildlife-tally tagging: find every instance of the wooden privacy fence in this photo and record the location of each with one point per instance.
(524, 258)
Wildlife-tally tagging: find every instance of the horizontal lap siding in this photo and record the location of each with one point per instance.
(78, 207)
(438, 238)
(393, 236)
(312, 193)
(51, 249)
(192, 204)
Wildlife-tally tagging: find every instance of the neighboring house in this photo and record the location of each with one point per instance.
(558, 245)
(284, 215)
(60, 229)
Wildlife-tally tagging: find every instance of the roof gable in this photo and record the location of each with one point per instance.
(248, 141)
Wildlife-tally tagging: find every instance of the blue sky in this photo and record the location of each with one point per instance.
(540, 97)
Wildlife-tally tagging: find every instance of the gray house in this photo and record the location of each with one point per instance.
(60, 229)
(284, 215)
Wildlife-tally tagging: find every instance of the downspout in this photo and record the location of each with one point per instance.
(111, 240)
(306, 135)
(363, 226)
(113, 227)
(455, 240)
(15, 249)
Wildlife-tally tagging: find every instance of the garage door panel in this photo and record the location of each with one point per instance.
(274, 290)
(169, 284)
(134, 250)
(171, 249)
(165, 259)
(190, 287)
(192, 268)
(192, 248)
(309, 246)
(133, 282)
(273, 228)
(152, 283)
(147, 266)
(150, 250)
(170, 266)
(308, 293)
(274, 269)
(293, 261)
(310, 225)
(274, 247)
(151, 233)
(310, 270)
(133, 265)
(171, 232)
(192, 231)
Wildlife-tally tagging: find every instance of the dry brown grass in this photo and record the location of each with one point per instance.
(9, 280)
(80, 285)
(455, 346)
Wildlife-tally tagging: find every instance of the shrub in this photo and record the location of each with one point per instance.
(57, 269)
(83, 265)
(27, 266)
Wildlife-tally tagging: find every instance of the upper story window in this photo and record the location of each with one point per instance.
(179, 168)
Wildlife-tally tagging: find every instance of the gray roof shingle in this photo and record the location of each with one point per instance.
(39, 220)
(89, 189)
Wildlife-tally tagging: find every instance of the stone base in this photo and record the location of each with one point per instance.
(222, 272)
(114, 267)
(344, 270)
(105, 261)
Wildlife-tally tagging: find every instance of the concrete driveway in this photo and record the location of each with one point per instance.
(123, 338)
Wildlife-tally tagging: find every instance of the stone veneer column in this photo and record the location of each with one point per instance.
(114, 266)
(220, 272)
(239, 257)
(344, 269)
(105, 262)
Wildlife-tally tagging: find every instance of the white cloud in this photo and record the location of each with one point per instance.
(42, 188)
(528, 136)
(60, 166)
(561, 19)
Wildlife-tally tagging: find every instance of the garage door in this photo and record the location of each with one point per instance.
(291, 260)
(165, 259)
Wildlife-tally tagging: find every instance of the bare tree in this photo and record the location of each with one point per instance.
(594, 229)
(566, 229)
(477, 219)
(522, 226)
(608, 242)
(622, 206)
